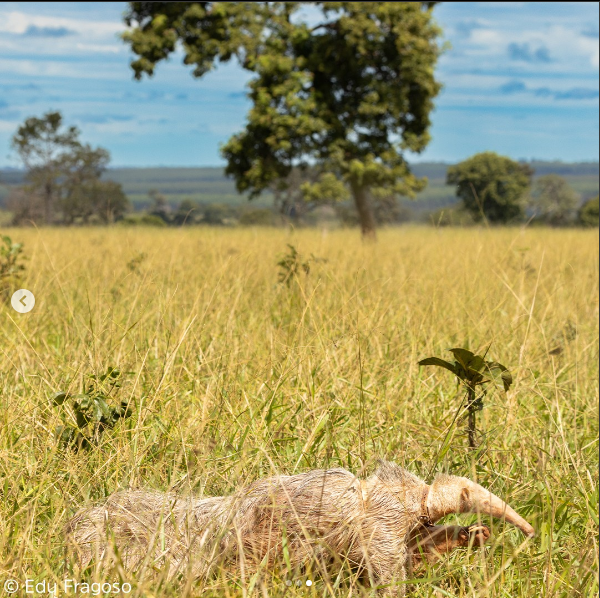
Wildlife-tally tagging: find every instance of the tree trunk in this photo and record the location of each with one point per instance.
(365, 215)
(48, 203)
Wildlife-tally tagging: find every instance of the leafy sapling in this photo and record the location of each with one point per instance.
(91, 410)
(11, 266)
(473, 371)
(290, 266)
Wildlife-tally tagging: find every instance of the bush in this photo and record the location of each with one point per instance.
(257, 217)
(588, 213)
(217, 214)
(11, 266)
(142, 220)
(451, 216)
(186, 214)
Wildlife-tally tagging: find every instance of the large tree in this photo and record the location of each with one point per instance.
(348, 95)
(42, 144)
(63, 175)
(554, 201)
(492, 187)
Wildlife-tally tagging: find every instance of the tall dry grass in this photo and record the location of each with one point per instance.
(234, 376)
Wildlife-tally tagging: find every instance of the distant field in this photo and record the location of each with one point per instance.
(232, 377)
(208, 185)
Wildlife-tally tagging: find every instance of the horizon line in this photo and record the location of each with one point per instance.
(443, 162)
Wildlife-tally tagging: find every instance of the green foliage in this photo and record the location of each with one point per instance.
(328, 188)
(11, 266)
(160, 206)
(553, 200)
(217, 214)
(42, 144)
(589, 212)
(492, 187)
(63, 175)
(186, 213)
(473, 371)
(143, 220)
(257, 217)
(85, 199)
(348, 95)
(451, 216)
(290, 266)
(133, 265)
(91, 411)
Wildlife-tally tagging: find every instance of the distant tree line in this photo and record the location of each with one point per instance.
(64, 186)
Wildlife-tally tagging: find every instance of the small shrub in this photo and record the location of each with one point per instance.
(473, 371)
(217, 214)
(451, 216)
(257, 217)
(11, 266)
(91, 410)
(290, 266)
(133, 265)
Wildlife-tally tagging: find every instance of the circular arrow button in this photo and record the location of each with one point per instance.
(22, 301)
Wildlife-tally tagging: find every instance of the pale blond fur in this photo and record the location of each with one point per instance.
(324, 517)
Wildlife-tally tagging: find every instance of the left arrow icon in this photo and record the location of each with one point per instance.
(22, 301)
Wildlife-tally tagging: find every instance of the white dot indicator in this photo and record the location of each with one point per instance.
(22, 301)
(308, 582)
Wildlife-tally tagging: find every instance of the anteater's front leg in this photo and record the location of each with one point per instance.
(428, 542)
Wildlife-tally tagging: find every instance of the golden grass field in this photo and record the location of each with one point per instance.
(234, 376)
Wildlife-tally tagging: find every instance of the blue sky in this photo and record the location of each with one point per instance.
(521, 79)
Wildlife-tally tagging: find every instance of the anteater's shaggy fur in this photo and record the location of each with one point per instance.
(322, 516)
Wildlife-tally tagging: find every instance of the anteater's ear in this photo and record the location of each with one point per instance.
(465, 500)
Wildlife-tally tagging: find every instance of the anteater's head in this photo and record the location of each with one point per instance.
(452, 494)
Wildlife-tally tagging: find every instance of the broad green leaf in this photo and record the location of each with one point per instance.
(463, 356)
(60, 397)
(500, 374)
(477, 363)
(101, 409)
(442, 363)
(81, 418)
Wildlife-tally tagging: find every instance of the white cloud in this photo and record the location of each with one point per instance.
(34, 68)
(19, 22)
(590, 48)
(40, 36)
(565, 45)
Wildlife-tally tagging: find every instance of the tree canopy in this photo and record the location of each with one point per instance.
(589, 212)
(63, 175)
(491, 187)
(347, 96)
(553, 200)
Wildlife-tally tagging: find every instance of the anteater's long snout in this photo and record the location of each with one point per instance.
(483, 501)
